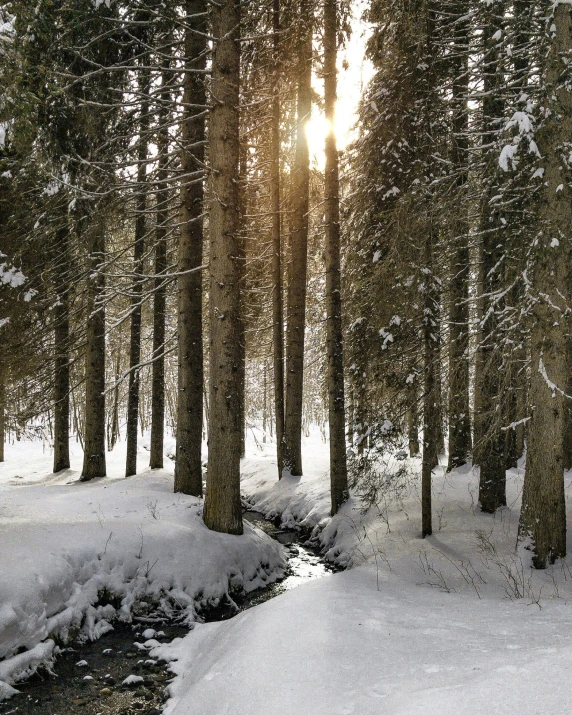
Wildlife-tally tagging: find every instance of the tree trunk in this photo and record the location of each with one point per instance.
(567, 444)
(351, 420)
(160, 289)
(158, 369)
(522, 411)
(137, 288)
(336, 411)
(489, 438)
(517, 389)
(114, 432)
(510, 415)
(188, 466)
(77, 421)
(277, 295)
(299, 258)
(413, 420)
(511, 457)
(430, 406)
(222, 511)
(61, 349)
(2, 411)
(459, 413)
(243, 169)
(543, 513)
(94, 429)
(440, 407)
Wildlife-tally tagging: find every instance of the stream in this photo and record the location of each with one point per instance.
(88, 677)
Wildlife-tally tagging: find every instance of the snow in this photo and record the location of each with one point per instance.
(522, 120)
(65, 543)
(440, 625)
(11, 276)
(133, 680)
(20, 666)
(340, 645)
(387, 338)
(436, 625)
(507, 154)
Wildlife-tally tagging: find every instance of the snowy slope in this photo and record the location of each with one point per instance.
(340, 646)
(70, 547)
(456, 623)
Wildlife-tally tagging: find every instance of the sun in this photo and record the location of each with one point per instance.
(354, 72)
(317, 129)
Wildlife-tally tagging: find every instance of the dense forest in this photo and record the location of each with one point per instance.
(276, 342)
(173, 261)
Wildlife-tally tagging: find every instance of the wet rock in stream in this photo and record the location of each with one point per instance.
(97, 687)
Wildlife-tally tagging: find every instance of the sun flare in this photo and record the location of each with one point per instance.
(318, 127)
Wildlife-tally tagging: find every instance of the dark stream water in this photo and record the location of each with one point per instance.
(88, 677)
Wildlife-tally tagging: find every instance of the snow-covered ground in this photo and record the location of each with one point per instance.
(455, 623)
(77, 555)
(339, 645)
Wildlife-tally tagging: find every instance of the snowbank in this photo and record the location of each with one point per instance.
(340, 646)
(456, 624)
(77, 555)
(297, 501)
(469, 551)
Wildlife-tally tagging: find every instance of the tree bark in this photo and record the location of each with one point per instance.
(489, 438)
(334, 339)
(137, 287)
(2, 411)
(160, 289)
(94, 428)
(413, 420)
(299, 259)
(516, 391)
(61, 349)
(522, 411)
(158, 369)
(543, 513)
(188, 466)
(459, 413)
(510, 414)
(222, 511)
(440, 407)
(113, 431)
(430, 406)
(243, 169)
(277, 294)
(567, 444)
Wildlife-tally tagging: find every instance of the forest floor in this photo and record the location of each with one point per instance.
(455, 623)
(76, 556)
